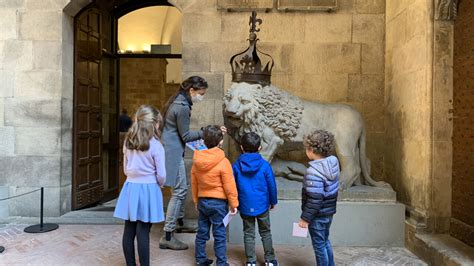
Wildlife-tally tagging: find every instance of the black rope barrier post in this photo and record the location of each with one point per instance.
(41, 227)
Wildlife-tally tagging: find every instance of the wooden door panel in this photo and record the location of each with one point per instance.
(82, 176)
(94, 47)
(94, 148)
(82, 44)
(87, 174)
(82, 152)
(94, 68)
(94, 97)
(94, 168)
(82, 70)
(94, 21)
(82, 95)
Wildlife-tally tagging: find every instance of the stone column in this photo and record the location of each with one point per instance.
(408, 97)
(419, 87)
(441, 191)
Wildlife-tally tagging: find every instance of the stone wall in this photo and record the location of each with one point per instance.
(35, 113)
(142, 81)
(335, 57)
(408, 76)
(418, 84)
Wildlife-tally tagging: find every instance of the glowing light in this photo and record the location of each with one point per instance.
(147, 47)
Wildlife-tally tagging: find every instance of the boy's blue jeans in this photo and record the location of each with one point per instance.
(211, 212)
(319, 231)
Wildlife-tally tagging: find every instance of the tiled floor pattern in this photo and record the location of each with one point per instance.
(101, 245)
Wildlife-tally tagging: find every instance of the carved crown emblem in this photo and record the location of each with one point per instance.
(252, 65)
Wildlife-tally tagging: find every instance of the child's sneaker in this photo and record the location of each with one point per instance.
(253, 263)
(271, 263)
(207, 263)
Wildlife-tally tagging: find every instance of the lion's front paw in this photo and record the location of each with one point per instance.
(383, 184)
(344, 186)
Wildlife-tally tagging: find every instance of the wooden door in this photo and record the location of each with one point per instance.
(110, 101)
(462, 221)
(87, 145)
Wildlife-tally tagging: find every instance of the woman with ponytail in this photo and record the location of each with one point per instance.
(140, 202)
(176, 133)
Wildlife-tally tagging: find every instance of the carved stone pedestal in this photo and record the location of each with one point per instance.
(366, 216)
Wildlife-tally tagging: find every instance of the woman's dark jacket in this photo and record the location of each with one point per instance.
(175, 134)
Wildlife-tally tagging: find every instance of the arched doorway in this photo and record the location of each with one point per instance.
(97, 99)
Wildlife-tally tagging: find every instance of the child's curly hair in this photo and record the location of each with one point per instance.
(321, 142)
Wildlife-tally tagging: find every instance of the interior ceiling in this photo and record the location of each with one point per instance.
(117, 8)
(139, 29)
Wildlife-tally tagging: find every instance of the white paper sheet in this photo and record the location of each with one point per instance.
(227, 219)
(298, 231)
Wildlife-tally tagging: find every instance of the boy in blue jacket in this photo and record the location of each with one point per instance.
(257, 194)
(319, 194)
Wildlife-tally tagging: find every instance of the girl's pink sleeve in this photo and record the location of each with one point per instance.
(159, 158)
(125, 160)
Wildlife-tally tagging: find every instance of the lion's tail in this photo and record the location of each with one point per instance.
(364, 163)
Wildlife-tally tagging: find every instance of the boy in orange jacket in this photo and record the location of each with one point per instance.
(214, 192)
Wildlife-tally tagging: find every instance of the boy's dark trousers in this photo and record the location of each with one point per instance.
(263, 221)
(319, 231)
(142, 231)
(211, 212)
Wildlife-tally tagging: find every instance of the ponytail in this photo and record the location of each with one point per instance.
(144, 128)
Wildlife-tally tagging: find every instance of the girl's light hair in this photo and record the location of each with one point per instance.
(146, 124)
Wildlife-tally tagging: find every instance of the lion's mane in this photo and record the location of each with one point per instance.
(282, 111)
(276, 109)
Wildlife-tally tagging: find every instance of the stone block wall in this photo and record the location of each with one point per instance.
(335, 57)
(408, 95)
(142, 81)
(35, 111)
(419, 127)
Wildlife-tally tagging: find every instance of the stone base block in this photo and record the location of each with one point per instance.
(291, 190)
(4, 213)
(363, 224)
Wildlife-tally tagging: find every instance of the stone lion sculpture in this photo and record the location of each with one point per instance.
(282, 119)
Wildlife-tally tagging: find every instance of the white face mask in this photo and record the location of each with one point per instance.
(197, 98)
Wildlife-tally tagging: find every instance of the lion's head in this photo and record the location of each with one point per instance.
(251, 107)
(241, 108)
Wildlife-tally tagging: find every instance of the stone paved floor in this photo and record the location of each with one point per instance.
(101, 245)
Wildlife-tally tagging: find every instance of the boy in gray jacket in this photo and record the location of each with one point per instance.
(319, 194)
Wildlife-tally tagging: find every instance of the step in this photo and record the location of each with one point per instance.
(443, 249)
